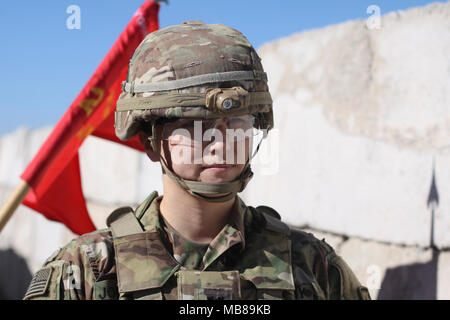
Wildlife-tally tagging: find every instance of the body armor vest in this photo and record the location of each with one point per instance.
(145, 269)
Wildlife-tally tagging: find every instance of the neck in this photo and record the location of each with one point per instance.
(195, 219)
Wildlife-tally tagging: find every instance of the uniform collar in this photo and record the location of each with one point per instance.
(146, 252)
(150, 215)
(238, 218)
(233, 233)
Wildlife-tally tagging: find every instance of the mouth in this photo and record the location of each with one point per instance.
(218, 167)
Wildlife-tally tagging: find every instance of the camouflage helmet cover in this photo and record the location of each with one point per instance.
(193, 70)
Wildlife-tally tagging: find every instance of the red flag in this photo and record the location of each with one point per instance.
(54, 172)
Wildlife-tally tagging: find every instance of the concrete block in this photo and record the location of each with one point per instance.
(442, 209)
(395, 272)
(109, 172)
(347, 184)
(443, 280)
(361, 115)
(13, 156)
(30, 235)
(99, 212)
(17, 149)
(35, 140)
(149, 177)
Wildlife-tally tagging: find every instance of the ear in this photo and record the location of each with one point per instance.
(143, 137)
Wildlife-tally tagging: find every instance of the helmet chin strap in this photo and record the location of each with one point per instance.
(200, 189)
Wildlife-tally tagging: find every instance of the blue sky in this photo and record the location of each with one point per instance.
(44, 64)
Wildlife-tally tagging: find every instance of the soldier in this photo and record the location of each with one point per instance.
(195, 93)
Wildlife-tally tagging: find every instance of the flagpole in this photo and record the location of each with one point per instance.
(14, 200)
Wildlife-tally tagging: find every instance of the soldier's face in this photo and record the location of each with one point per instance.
(211, 151)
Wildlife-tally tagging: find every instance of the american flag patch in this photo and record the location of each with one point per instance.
(39, 282)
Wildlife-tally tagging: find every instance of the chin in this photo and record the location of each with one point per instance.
(216, 179)
(216, 176)
(209, 175)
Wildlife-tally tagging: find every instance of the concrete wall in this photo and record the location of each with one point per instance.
(364, 116)
(362, 147)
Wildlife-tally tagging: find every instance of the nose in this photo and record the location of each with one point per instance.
(218, 146)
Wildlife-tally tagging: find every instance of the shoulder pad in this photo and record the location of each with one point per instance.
(350, 287)
(140, 210)
(270, 211)
(122, 222)
(269, 221)
(302, 238)
(328, 249)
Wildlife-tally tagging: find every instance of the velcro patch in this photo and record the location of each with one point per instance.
(39, 283)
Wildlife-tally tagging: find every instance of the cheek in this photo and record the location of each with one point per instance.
(188, 163)
(183, 163)
(187, 171)
(241, 152)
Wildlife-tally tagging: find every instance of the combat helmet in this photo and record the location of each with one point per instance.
(194, 70)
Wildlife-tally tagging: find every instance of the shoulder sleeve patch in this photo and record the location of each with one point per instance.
(39, 283)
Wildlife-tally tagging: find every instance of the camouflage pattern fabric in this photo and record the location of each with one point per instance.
(197, 285)
(188, 253)
(253, 257)
(180, 52)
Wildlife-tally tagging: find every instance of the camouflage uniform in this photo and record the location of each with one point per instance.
(202, 72)
(255, 256)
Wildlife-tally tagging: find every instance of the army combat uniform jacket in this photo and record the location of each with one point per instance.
(255, 256)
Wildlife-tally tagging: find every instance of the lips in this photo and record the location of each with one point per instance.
(218, 168)
(222, 166)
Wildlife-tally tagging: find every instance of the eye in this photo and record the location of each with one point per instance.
(238, 123)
